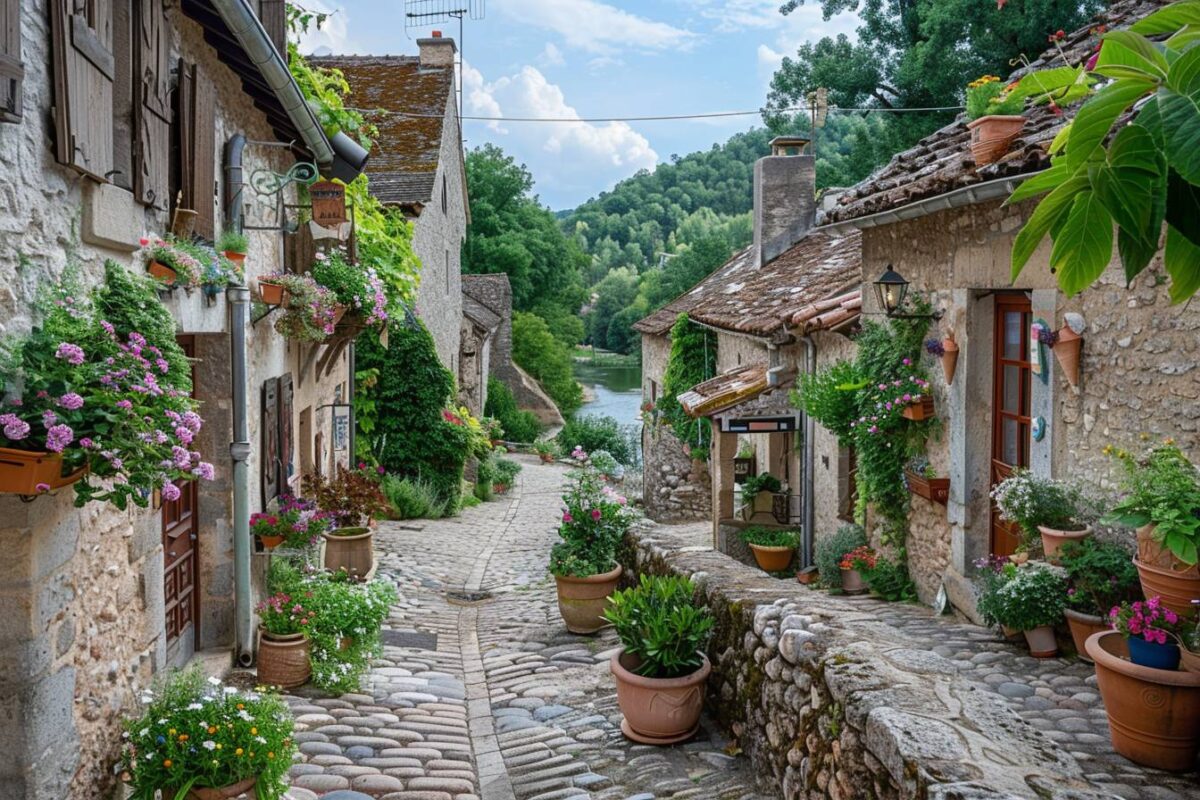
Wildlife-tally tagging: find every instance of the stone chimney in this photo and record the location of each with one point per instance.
(436, 51)
(785, 204)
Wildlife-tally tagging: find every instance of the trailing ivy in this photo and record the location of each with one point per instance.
(693, 360)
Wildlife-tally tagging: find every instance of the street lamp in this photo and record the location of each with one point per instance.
(890, 291)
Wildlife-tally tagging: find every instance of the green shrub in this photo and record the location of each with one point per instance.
(770, 537)
(413, 498)
(596, 433)
(517, 425)
(830, 550)
(756, 484)
(494, 470)
(890, 580)
(546, 359)
(659, 623)
(233, 242)
(1100, 575)
(1035, 596)
(594, 521)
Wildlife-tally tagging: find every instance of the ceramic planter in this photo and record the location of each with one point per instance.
(238, 259)
(919, 410)
(935, 490)
(1153, 714)
(1066, 351)
(1083, 626)
(1162, 574)
(270, 542)
(949, 358)
(222, 793)
(581, 601)
(991, 136)
(283, 660)
(1041, 642)
(658, 710)
(1153, 654)
(852, 581)
(270, 293)
(772, 559)
(161, 272)
(1189, 660)
(1053, 539)
(22, 471)
(350, 549)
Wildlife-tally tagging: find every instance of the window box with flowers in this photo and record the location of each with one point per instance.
(283, 646)
(923, 481)
(99, 395)
(359, 291)
(180, 264)
(309, 309)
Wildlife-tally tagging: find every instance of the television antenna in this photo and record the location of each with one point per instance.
(424, 13)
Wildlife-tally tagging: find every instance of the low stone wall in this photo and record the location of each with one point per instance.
(676, 488)
(830, 702)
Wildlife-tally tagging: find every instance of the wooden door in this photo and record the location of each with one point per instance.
(1011, 381)
(180, 531)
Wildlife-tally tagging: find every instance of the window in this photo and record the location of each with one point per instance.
(83, 67)
(847, 483)
(12, 71)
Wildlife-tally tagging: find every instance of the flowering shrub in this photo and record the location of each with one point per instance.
(352, 498)
(594, 520)
(108, 397)
(1147, 619)
(298, 521)
(861, 558)
(1031, 500)
(195, 733)
(1034, 595)
(309, 308)
(886, 401)
(355, 286)
(282, 615)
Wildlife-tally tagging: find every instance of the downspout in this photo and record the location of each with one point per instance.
(239, 451)
(810, 366)
(234, 181)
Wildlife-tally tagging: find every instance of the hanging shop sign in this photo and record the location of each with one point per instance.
(328, 203)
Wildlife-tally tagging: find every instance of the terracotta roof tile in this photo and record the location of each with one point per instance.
(725, 390)
(659, 322)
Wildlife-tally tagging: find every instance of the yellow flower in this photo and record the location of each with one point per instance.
(218, 745)
(167, 763)
(212, 728)
(254, 731)
(171, 732)
(238, 752)
(270, 755)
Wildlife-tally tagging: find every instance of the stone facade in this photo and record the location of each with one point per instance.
(831, 490)
(83, 590)
(676, 487)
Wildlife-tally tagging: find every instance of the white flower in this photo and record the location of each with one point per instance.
(144, 732)
(230, 690)
(194, 707)
(245, 715)
(260, 740)
(209, 745)
(215, 681)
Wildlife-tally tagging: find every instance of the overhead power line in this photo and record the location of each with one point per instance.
(663, 117)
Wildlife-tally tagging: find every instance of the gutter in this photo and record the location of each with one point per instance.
(258, 47)
(965, 196)
(239, 452)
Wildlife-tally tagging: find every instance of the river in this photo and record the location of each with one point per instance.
(611, 392)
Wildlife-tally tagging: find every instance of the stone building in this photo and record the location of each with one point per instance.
(114, 121)
(418, 165)
(939, 220)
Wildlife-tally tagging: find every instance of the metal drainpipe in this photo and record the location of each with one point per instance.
(239, 451)
(234, 184)
(810, 365)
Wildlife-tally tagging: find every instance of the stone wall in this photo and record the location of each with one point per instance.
(828, 488)
(828, 702)
(675, 488)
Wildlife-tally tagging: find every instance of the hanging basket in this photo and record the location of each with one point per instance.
(1066, 352)
(270, 293)
(919, 409)
(949, 358)
(23, 471)
(162, 272)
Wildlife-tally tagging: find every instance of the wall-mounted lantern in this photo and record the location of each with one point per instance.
(891, 290)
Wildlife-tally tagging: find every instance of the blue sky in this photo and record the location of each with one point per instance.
(598, 58)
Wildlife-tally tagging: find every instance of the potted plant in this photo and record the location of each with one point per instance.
(283, 646)
(947, 350)
(995, 118)
(546, 450)
(1150, 631)
(661, 668)
(266, 528)
(196, 739)
(594, 520)
(923, 481)
(1163, 502)
(309, 309)
(1066, 347)
(1189, 639)
(1043, 507)
(234, 246)
(744, 463)
(270, 288)
(1153, 714)
(773, 548)
(358, 290)
(353, 500)
(758, 495)
(994, 573)
(1100, 576)
(919, 407)
(1032, 601)
(170, 261)
(830, 550)
(854, 564)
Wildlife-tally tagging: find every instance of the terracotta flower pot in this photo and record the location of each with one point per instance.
(658, 710)
(223, 793)
(772, 559)
(581, 601)
(949, 358)
(1010, 633)
(991, 136)
(1153, 714)
(852, 581)
(1041, 642)
(237, 258)
(350, 549)
(919, 409)
(935, 490)
(808, 575)
(162, 272)
(1083, 626)
(23, 471)
(1053, 539)
(1189, 660)
(1162, 574)
(1066, 351)
(283, 660)
(270, 542)
(339, 311)
(270, 293)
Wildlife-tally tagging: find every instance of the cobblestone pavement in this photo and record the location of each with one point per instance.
(481, 693)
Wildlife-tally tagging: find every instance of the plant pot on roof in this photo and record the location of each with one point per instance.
(1163, 502)
(283, 646)
(661, 669)
(352, 500)
(922, 480)
(758, 497)
(773, 548)
(995, 119)
(595, 519)
(1044, 509)
(1100, 576)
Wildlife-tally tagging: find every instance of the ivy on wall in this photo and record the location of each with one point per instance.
(693, 360)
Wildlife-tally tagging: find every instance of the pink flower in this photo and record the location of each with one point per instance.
(85, 442)
(42, 487)
(567, 517)
(71, 401)
(170, 492)
(15, 428)
(71, 353)
(907, 362)
(596, 514)
(58, 437)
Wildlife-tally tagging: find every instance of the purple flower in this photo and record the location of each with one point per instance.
(49, 418)
(192, 420)
(204, 471)
(42, 487)
(125, 404)
(71, 353)
(58, 437)
(15, 428)
(108, 327)
(181, 457)
(71, 401)
(170, 492)
(85, 442)
(906, 362)
(184, 435)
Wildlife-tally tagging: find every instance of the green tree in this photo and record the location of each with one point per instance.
(546, 359)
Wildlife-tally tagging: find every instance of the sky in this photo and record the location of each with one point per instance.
(596, 58)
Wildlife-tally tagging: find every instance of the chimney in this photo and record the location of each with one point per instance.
(437, 51)
(785, 204)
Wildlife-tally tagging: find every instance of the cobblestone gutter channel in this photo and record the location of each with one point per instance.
(853, 698)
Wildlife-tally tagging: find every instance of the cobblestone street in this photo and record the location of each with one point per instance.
(481, 691)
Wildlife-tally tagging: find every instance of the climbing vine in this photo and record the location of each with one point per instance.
(693, 360)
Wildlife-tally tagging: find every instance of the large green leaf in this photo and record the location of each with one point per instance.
(1040, 183)
(1181, 131)
(1132, 185)
(1184, 76)
(1169, 19)
(1182, 260)
(1097, 116)
(1183, 206)
(1052, 207)
(1048, 82)
(1136, 254)
(1083, 246)
(1125, 49)
(1182, 38)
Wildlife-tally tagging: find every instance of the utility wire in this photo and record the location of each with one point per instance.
(660, 117)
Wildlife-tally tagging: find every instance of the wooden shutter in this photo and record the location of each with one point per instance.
(197, 142)
(151, 104)
(270, 440)
(81, 33)
(286, 450)
(12, 71)
(273, 15)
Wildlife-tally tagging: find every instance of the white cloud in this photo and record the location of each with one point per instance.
(598, 27)
(333, 36)
(569, 159)
(551, 56)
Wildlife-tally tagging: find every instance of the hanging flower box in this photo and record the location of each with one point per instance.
(28, 472)
(935, 490)
(918, 410)
(270, 292)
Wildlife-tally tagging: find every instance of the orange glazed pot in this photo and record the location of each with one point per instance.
(658, 710)
(1053, 539)
(236, 258)
(162, 272)
(1153, 714)
(772, 559)
(581, 601)
(991, 136)
(1162, 574)
(1082, 627)
(270, 294)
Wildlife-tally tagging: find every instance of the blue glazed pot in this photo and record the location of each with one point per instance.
(1153, 654)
